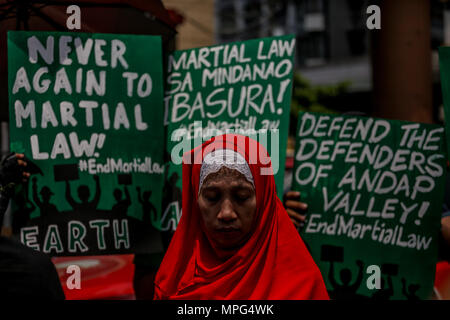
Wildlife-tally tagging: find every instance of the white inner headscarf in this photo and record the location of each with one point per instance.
(224, 158)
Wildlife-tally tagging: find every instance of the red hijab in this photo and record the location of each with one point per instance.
(273, 264)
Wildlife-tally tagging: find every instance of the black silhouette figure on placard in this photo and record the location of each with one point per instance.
(410, 294)
(45, 206)
(122, 204)
(25, 206)
(84, 195)
(386, 291)
(148, 209)
(171, 192)
(346, 291)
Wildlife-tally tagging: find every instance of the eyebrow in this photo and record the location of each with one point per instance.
(209, 188)
(239, 187)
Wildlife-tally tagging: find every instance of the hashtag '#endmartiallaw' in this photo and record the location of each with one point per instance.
(83, 165)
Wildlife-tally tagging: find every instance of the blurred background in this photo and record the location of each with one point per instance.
(341, 65)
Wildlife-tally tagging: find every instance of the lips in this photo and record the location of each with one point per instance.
(227, 229)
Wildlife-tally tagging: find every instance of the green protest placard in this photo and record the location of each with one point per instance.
(242, 87)
(87, 110)
(374, 188)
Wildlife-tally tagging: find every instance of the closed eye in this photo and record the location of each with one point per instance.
(211, 196)
(242, 197)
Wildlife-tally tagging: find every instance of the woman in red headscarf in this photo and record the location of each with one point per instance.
(235, 239)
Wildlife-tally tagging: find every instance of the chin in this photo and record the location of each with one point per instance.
(229, 245)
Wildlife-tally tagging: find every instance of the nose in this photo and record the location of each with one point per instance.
(227, 213)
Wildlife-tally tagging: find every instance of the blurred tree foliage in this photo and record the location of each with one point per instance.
(309, 98)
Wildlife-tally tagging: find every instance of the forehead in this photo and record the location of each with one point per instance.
(226, 177)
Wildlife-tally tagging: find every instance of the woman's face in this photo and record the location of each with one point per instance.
(227, 203)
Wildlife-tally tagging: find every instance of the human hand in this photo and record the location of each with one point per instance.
(295, 208)
(13, 169)
(23, 164)
(445, 229)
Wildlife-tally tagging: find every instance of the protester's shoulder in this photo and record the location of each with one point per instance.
(25, 272)
(16, 251)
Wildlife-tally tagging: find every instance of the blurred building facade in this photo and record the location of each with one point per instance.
(326, 30)
(333, 42)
